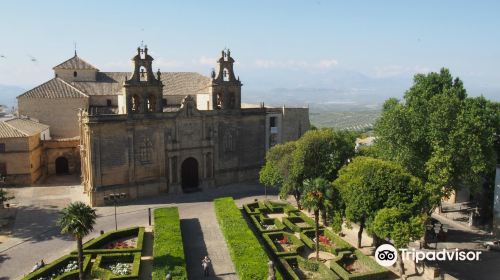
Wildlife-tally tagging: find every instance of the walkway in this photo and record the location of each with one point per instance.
(202, 236)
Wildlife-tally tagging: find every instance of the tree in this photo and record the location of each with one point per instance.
(321, 153)
(77, 219)
(368, 185)
(276, 171)
(400, 226)
(314, 199)
(439, 134)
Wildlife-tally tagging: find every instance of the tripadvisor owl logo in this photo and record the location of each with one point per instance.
(386, 255)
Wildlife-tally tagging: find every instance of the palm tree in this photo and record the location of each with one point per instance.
(77, 219)
(313, 198)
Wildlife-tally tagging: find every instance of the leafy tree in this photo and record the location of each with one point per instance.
(368, 185)
(400, 226)
(439, 134)
(276, 171)
(314, 199)
(318, 153)
(77, 219)
(321, 153)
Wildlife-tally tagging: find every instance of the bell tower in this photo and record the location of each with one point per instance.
(144, 90)
(225, 88)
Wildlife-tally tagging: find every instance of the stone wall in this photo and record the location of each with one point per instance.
(61, 114)
(23, 159)
(81, 75)
(68, 149)
(16, 159)
(295, 123)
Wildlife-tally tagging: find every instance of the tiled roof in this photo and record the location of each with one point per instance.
(8, 131)
(27, 126)
(55, 88)
(75, 63)
(184, 83)
(175, 83)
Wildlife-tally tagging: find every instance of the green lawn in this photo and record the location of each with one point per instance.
(247, 254)
(168, 249)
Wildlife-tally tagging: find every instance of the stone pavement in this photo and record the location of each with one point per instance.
(35, 235)
(202, 236)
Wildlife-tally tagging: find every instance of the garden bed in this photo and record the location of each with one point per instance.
(266, 224)
(283, 243)
(117, 266)
(356, 265)
(62, 268)
(119, 241)
(297, 224)
(254, 208)
(329, 242)
(298, 268)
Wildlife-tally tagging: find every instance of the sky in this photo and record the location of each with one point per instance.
(345, 46)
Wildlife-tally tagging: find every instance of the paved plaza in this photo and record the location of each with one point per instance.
(35, 236)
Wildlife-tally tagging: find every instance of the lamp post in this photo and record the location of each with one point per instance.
(115, 197)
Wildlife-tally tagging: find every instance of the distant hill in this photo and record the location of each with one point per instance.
(8, 95)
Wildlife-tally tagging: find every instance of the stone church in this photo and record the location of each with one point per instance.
(148, 132)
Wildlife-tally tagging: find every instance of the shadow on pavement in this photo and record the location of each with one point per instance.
(37, 224)
(194, 248)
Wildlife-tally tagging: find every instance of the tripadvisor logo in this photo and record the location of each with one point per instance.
(386, 255)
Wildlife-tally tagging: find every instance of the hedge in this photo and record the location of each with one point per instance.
(105, 274)
(304, 217)
(94, 246)
(269, 238)
(168, 249)
(324, 272)
(376, 272)
(340, 245)
(291, 223)
(254, 208)
(248, 256)
(54, 266)
(260, 221)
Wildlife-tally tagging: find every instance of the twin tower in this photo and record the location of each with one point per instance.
(143, 91)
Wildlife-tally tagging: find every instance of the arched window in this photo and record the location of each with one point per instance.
(232, 101)
(151, 103)
(146, 150)
(228, 142)
(143, 76)
(219, 101)
(135, 103)
(75, 74)
(225, 75)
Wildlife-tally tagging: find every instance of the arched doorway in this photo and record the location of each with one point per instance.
(62, 166)
(189, 175)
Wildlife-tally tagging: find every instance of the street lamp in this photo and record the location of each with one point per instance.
(115, 197)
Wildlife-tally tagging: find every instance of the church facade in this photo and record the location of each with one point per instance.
(151, 144)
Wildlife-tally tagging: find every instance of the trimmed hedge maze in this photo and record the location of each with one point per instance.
(168, 249)
(121, 246)
(348, 263)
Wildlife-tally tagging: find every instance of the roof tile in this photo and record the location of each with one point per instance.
(75, 63)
